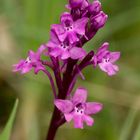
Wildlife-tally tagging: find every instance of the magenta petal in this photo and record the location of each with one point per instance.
(93, 108)
(54, 37)
(33, 56)
(64, 106)
(95, 7)
(112, 70)
(78, 121)
(51, 44)
(114, 56)
(26, 68)
(95, 60)
(99, 20)
(58, 28)
(79, 26)
(85, 4)
(80, 96)
(77, 53)
(75, 3)
(109, 68)
(68, 116)
(41, 49)
(18, 67)
(105, 67)
(62, 37)
(103, 47)
(72, 37)
(65, 55)
(54, 41)
(66, 17)
(89, 120)
(55, 52)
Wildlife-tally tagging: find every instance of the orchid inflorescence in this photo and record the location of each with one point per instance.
(67, 59)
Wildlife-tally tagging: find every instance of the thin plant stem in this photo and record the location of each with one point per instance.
(57, 73)
(52, 82)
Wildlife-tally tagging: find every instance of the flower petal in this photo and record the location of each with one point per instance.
(55, 52)
(64, 106)
(79, 26)
(103, 47)
(112, 70)
(77, 53)
(99, 20)
(78, 121)
(89, 120)
(65, 55)
(63, 36)
(68, 116)
(26, 68)
(114, 56)
(93, 108)
(109, 68)
(18, 67)
(33, 56)
(58, 28)
(72, 37)
(54, 41)
(41, 49)
(80, 95)
(66, 19)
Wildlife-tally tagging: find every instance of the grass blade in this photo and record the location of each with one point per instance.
(137, 133)
(5, 135)
(127, 127)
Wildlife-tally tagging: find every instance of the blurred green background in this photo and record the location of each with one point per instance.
(24, 25)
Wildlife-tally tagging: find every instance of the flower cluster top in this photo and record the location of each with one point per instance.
(68, 58)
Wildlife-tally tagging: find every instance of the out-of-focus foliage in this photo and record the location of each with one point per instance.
(24, 25)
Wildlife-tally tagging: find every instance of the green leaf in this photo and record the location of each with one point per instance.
(5, 135)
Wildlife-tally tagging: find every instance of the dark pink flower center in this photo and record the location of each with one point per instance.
(68, 25)
(79, 109)
(64, 45)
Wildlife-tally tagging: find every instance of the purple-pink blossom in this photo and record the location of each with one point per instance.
(72, 30)
(77, 109)
(64, 50)
(32, 61)
(106, 59)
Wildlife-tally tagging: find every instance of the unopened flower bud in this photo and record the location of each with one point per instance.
(95, 7)
(99, 20)
(75, 3)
